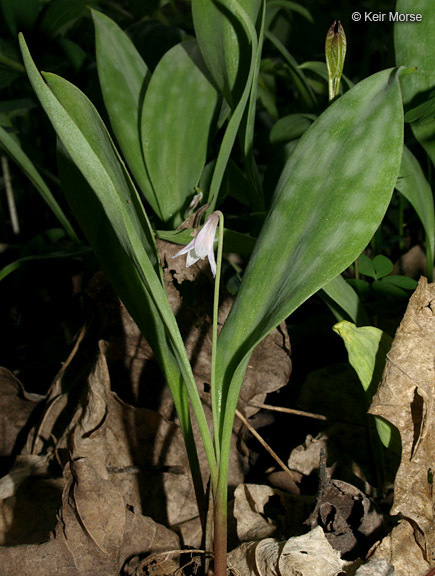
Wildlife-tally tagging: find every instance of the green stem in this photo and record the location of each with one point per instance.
(216, 398)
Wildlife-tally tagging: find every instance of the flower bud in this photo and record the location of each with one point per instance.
(335, 51)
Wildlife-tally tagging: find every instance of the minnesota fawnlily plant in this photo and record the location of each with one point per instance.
(189, 121)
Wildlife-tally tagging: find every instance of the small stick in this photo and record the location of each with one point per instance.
(264, 444)
(10, 196)
(289, 411)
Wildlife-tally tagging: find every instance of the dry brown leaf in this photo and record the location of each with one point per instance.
(15, 407)
(249, 504)
(310, 555)
(96, 533)
(306, 555)
(401, 550)
(406, 399)
(376, 567)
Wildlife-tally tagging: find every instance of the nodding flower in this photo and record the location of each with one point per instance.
(203, 244)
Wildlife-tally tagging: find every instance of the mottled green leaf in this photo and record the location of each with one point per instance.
(123, 77)
(332, 196)
(112, 216)
(223, 43)
(178, 121)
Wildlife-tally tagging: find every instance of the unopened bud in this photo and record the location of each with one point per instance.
(335, 51)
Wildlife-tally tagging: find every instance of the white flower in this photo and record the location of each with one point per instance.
(203, 244)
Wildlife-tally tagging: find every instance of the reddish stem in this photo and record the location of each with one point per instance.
(220, 535)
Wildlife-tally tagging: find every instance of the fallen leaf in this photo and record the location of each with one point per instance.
(16, 405)
(400, 549)
(306, 555)
(95, 534)
(406, 399)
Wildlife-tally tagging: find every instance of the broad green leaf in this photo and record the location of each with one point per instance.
(123, 77)
(111, 214)
(414, 44)
(332, 196)
(367, 348)
(343, 301)
(178, 121)
(223, 43)
(415, 188)
(14, 150)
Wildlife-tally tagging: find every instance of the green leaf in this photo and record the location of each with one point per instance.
(228, 42)
(28, 260)
(414, 44)
(401, 281)
(120, 65)
(383, 266)
(274, 6)
(344, 301)
(60, 15)
(423, 112)
(14, 150)
(223, 43)
(332, 196)
(108, 208)
(178, 120)
(366, 266)
(367, 348)
(415, 188)
(290, 127)
(20, 15)
(295, 71)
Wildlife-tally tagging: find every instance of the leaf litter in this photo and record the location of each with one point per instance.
(104, 454)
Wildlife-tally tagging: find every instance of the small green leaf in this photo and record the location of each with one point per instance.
(382, 265)
(366, 266)
(367, 348)
(401, 281)
(343, 301)
(290, 128)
